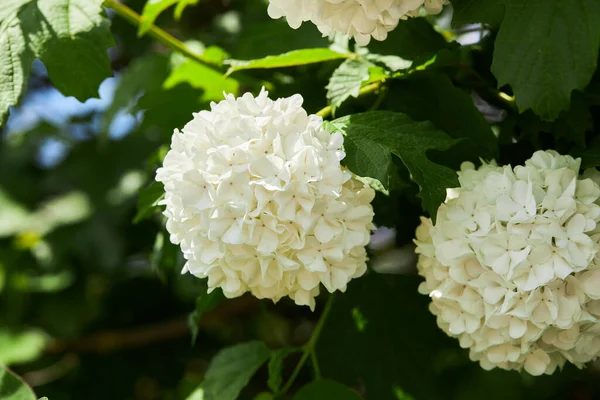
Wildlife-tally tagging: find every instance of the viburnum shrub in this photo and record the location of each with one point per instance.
(348, 156)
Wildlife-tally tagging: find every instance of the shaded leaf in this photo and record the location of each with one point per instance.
(148, 200)
(427, 96)
(231, 369)
(413, 39)
(546, 49)
(204, 303)
(470, 11)
(361, 345)
(326, 389)
(13, 388)
(69, 36)
(372, 137)
(276, 365)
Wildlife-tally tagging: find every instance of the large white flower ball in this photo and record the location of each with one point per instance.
(361, 19)
(512, 264)
(258, 201)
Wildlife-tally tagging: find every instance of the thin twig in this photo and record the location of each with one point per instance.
(309, 348)
(113, 340)
(159, 34)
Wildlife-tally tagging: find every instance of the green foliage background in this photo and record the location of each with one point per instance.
(92, 302)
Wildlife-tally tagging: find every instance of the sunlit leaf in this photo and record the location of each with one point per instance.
(291, 59)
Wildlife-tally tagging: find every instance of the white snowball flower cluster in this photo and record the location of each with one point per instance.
(258, 201)
(361, 19)
(512, 264)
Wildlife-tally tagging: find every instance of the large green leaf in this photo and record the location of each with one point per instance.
(290, 59)
(429, 96)
(231, 369)
(545, 49)
(13, 388)
(372, 137)
(69, 36)
(326, 389)
(347, 80)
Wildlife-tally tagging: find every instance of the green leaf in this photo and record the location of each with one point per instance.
(392, 63)
(148, 200)
(154, 8)
(470, 11)
(275, 367)
(204, 303)
(364, 347)
(427, 96)
(546, 49)
(151, 11)
(326, 389)
(590, 157)
(181, 5)
(231, 369)
(21, 347)
(372, 137)
(413, 39)
(69, 36)
(198, 76)
(13, 388)
(573, 124)
(346, 81)
(264, 396)
(290, 59)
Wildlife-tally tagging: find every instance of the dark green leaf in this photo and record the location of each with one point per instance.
(231, 369)
(69, 36)
(251, 40)
(13, 388)
(372, 137)
(361, 345)
(590, 157)
(205, 302)
(470, 11)
(573, 124)
(275, 367)
(148, 200)
(428, 96)
(413, 39)
(326, 389)
(346, 81)
(546, 49)
(293, 58)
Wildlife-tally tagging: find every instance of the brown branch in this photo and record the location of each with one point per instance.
(176, 328)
